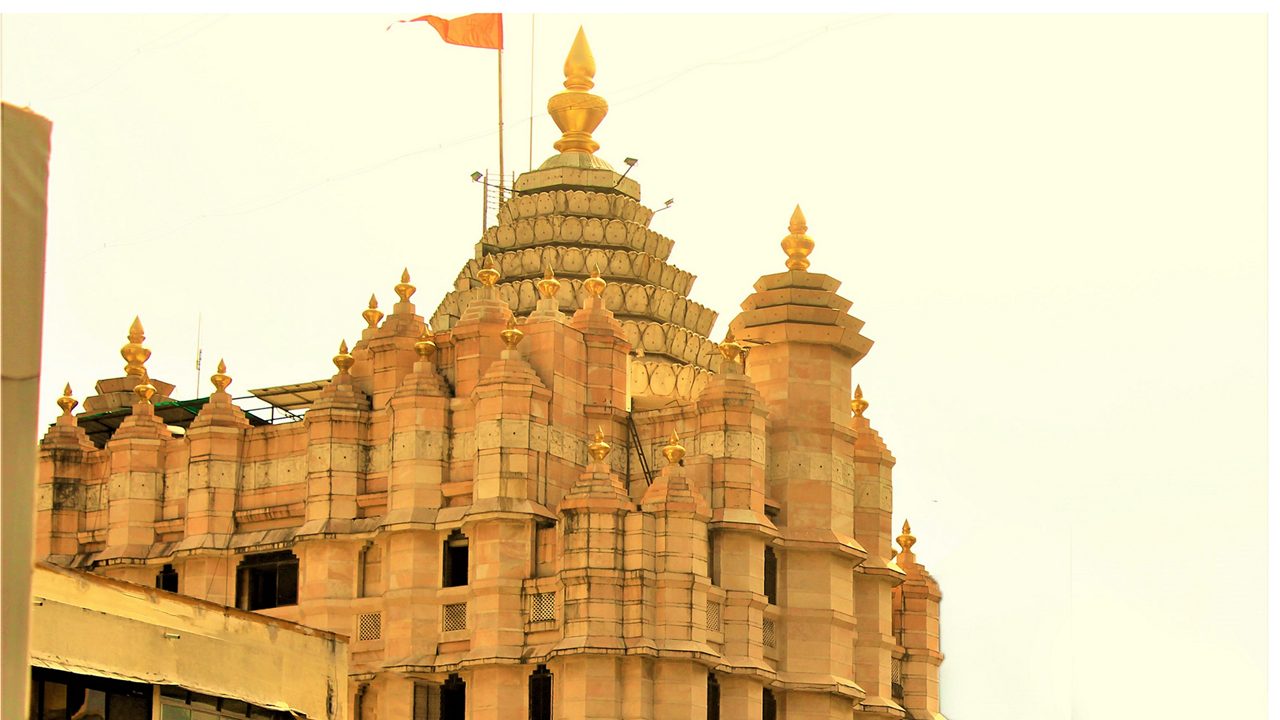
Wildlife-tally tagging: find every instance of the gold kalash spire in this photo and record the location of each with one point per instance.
(577, 112)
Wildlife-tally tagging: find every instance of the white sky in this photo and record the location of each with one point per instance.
(1053, 226)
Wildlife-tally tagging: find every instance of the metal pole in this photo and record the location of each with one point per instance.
(532, 24)
(502, 174)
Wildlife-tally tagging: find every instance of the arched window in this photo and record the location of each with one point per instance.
(540, 694)
(455, 560)
(768, 706)
(453, 698)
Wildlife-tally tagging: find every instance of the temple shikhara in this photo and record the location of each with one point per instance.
(549, 496)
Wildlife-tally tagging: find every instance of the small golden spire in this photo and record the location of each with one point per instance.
(426, 344)
(548, 286)
(595, 284)
(134, 354)
(66, 402)
(575, 111)
(859, 405)
(373, 315)
(343, 360)
(512, 336)
(144, 389)
(730, 349)
(598, 448)
(673, 451)
(906, 539)
(797, 245)
(489, 274)
(220, 379)
(403, 288)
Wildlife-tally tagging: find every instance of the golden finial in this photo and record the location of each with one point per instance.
(906, 539)
(730, 349)
(343, 360)
(403, 288)
(426, 344)
(220, 379)
(134, 354)
(489, 274)
(373, 314)
(144, 389)
(595, 284)
(512, 335)
(673, 451)
(797, 245)
(598, 448)
(548, 286)
(859, 405)
(66, 402)
(577, 112)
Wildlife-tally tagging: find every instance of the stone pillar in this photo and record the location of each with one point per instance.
(680, 586)
(732, 437)
(875, 578)
(477, 338)
(594, 518)
(605, 360)
(135, 487)
(391, 346)
(216, 440)
(66, 455)
(916, 612)
(420, 424)
(336, 425)
(511, 443)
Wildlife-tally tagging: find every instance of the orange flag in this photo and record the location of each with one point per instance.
(482, 30)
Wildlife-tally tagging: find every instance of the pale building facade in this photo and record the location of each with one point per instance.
(561, 501)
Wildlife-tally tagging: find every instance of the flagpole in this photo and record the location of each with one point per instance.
(532, 25)
(502, 170)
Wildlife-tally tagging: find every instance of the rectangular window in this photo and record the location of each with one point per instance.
(768, 706)
(456, 560)
(713, 697)
(545, 551)
(771, 575)
(713, 559)
(371, 571)
(267, 580)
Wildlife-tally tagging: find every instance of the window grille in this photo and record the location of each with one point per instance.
(770, 633)
(369, 626)
(713, 616)
(543, 607)
(897, 678)
(455, 617)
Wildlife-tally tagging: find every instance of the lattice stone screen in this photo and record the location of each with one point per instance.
(369, 626)
(713, 616)
(542, 607)
(770, 633)
(455, 617)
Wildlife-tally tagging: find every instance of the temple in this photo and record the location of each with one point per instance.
(554, 497)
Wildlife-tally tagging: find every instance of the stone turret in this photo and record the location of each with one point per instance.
(66, 457)
(916, 617)
(876, 577)
(802, 347)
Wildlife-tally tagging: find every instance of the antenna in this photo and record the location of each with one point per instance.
(199, 352)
